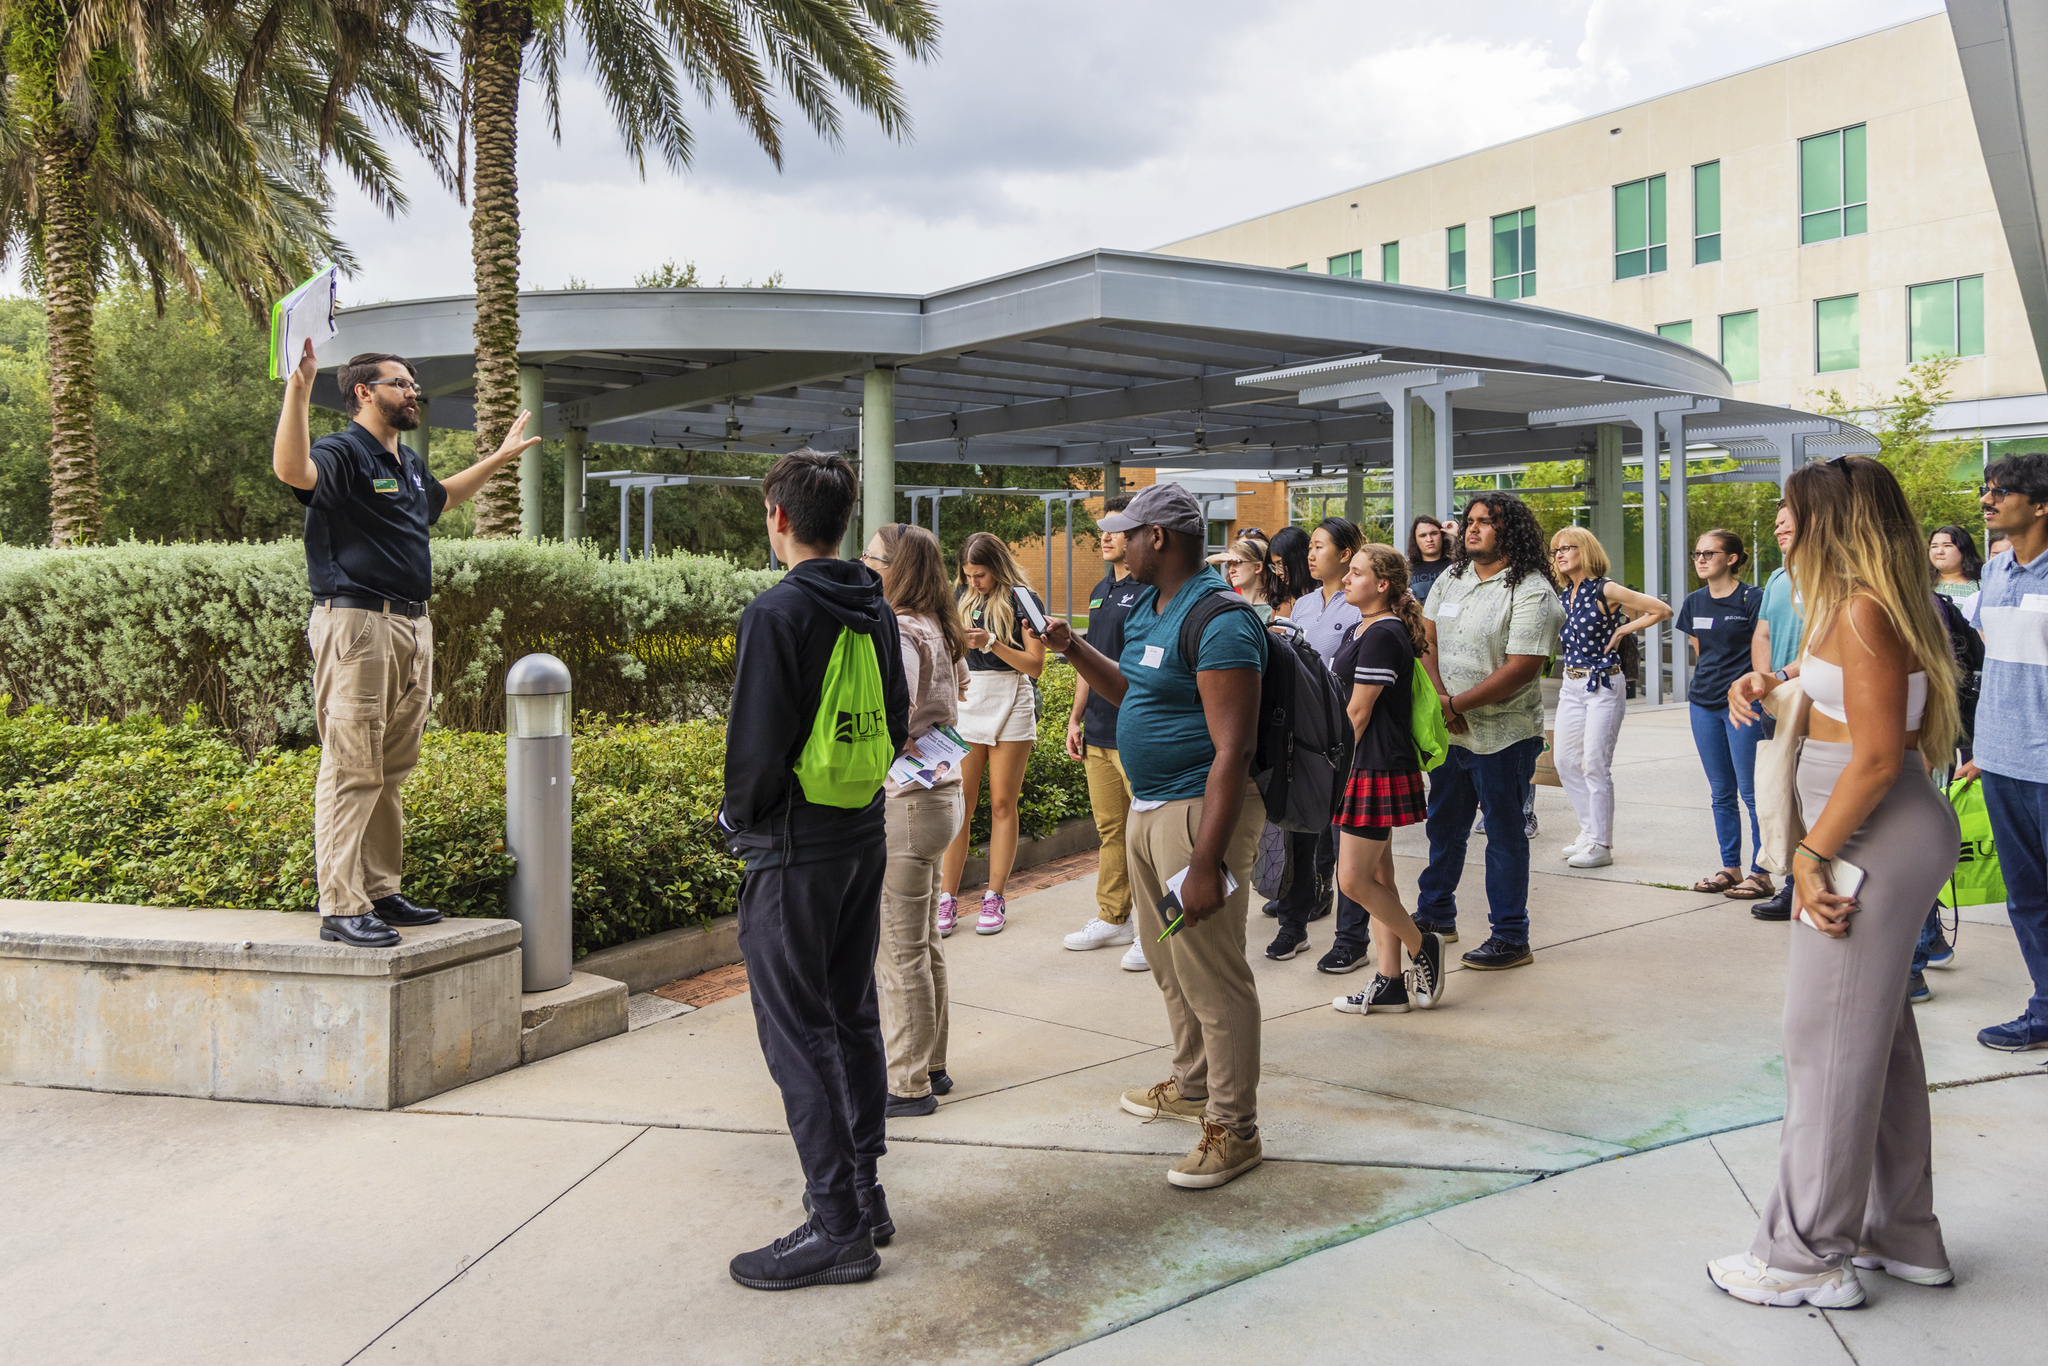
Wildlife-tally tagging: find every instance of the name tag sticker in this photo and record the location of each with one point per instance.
(384, 485)
(2034, 602)
(1154, 656)
(1702, 623)
(1449, 609)
(1094, 603)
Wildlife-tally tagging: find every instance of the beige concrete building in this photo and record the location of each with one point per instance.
(1816, 223)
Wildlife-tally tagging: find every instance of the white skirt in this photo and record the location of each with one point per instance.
(1000, 706)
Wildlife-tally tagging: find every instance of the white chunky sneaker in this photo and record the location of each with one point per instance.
(1591, 856)
(1134, 958)
(1585, 838)
(1099, 933)
(1904, 1271)
(1746, 1278)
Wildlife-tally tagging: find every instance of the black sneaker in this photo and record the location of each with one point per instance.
(1342, 959)
(905, 1107)
(1385, 994)
(1448, 933)
(1529, 825)
(1286, 945)
(807, 1256)
(1428, 971)
(396, 910)
(1271, 908)
(1916, 988)
(1499, 953)
(1777, 906)
(941, 1083)
(874, 1208)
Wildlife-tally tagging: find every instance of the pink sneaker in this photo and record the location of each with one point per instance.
(990, 921)
(949, 914)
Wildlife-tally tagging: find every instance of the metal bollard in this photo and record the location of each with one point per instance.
(537, 783)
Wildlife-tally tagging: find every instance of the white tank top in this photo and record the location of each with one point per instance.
(1824, 685)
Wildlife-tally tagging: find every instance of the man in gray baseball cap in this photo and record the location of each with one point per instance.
(1186, 734)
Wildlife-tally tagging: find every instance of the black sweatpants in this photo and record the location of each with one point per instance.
(1314, 858)
(810, 933)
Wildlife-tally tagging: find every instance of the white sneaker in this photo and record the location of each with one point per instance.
(1099, 933)
(1592, 856)
(1585, 838)
(1134, 958)
(1746, 1278)
(1904, 1271)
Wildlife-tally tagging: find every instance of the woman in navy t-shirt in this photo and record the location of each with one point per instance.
(1719, 619)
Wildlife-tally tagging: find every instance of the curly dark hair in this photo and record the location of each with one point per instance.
(1517, 533)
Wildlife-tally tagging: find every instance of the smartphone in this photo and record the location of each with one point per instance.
(1030, 606)
(1847, 880)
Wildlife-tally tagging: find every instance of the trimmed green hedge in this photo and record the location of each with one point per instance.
(1055, 787)
(154, 630)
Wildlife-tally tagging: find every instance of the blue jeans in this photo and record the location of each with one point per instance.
(1468, 784)
(2019, 827)
(1929, 933)
(1728, 753)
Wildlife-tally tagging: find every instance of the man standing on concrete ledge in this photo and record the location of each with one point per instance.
(1187, 731)
(369, 501)
(820, 708)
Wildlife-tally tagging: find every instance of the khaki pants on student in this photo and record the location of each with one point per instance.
(373, 679)
(1109, 797)
(1212, 1003)
(910, 970)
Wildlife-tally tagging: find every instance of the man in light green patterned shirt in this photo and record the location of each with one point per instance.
(1497, 620)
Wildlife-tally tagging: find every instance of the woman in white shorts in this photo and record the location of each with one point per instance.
(998, 719)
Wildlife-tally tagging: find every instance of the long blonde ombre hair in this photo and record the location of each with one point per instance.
(999, 609)
(1856, 535)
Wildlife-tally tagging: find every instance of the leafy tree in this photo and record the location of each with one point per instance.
(642, 52)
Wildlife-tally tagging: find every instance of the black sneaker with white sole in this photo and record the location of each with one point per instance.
(1498, 953)
(1286, 945)
(1428, 971)
(1388, 995)
(808, 1256)
(1341, 959)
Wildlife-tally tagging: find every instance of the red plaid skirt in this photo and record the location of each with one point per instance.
(1376, 798)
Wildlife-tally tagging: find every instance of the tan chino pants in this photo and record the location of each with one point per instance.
(910, 969)
(1212, 1002)
(372, 685)
(1109, 798)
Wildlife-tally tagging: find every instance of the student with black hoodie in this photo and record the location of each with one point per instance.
(810, 904)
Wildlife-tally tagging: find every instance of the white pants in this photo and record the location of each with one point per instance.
(1588, 723)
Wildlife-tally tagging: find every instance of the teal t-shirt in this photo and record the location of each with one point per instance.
(1787, 622)
(1162, 733)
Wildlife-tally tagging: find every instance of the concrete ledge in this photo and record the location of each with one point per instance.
(588, 1009)
(251, 1005)
(1069, 837)
(659, 959)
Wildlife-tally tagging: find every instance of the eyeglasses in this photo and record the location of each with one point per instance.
(400, 383)
(1707, 554)
(866, 558)
(1994, 492)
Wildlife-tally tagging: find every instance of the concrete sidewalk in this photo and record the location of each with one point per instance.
(1534, 1172)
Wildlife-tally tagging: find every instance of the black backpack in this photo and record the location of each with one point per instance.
(1968, 648)
(1304, 741)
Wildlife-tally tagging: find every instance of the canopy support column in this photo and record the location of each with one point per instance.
(877, 453)
(532, 465)
(575, 464)
(1354, 491)
(1679, 538)
(1608, 518)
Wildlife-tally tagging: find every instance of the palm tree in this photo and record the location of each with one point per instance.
(154, 138)
(643, 52)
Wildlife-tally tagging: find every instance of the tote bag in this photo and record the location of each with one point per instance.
(1777, 777)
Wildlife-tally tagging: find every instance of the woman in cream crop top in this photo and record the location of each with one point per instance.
(1824, 685)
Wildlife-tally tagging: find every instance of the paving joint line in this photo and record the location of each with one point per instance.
(1039, 1019)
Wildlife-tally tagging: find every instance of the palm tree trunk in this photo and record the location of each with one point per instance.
(498, 38)
(62, 163)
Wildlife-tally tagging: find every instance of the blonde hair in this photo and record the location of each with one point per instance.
(1856, 536)
(1592, 554)
(999, 609)
(1390, 566)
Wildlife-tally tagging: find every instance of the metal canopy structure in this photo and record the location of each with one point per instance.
(2003, 47)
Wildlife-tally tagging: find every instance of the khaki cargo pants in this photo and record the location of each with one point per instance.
(373, 677)
(1109, 797)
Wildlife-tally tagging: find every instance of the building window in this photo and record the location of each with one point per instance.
(1454, 239)
(1302, 266)
(1833, 194)
(1390, 262)
(1639, 228)
(1947, 318)
(1678, 332)
(1837, 340)
(1514, 255)
(1739, 352)
(1351, 264)
(1706, 213)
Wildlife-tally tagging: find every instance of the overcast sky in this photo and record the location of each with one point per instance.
(1055, 126)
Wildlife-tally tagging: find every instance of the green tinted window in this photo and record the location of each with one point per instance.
(1351, 264)
(1706, 213)
(1390, 262)
(1514, 254)
(1833, 188)
(1639, 228)
(1837, 337)
(1678, 332)
(1454, 240)
(1946, 318)
(1740, 355)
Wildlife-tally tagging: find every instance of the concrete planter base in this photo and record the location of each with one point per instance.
(588, 1009)
(659, 959)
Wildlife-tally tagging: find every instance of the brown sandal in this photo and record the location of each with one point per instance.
(1755, 887)
(1719, 882)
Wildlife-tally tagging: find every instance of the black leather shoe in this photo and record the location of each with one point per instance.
(1499, 953)
(807, 1256)
(904, 1107)
(396, 910)
(364, 931)
(874, 1207)
(941, 1083)
(1778, 907)
(1449, 932)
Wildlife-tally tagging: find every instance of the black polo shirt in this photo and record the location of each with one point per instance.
(1108, 601)
(367, 518)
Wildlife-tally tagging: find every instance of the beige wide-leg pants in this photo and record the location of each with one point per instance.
(910, 969)
(1855, 1160)
(1212, 1002)
(1109, 800)
(373, 680)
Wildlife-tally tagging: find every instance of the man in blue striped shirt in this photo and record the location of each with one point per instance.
(2010, 745)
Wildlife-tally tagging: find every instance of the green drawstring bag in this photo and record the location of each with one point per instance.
(1426, 721)
(848, 754)
(1977, 880)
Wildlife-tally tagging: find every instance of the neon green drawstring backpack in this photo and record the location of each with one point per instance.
(1978, 880)
(848, 754)
(1426, 721)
